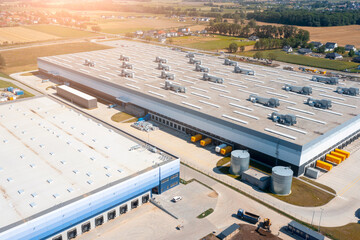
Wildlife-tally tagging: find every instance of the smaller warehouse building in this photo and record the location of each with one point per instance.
(77, 97)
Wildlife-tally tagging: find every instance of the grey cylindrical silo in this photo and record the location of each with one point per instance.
(240, 160)
(281, 180)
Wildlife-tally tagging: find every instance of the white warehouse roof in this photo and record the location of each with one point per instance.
(76, 92)
(51, 154)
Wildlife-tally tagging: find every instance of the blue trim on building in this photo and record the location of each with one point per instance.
(169, 182)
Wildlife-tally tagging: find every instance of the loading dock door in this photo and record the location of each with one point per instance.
(85, 227)
(99, 221)
(145, 198)
(72, 234)
(111, 215)
(134, 204)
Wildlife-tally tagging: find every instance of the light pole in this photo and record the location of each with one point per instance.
(312, 218)
(320, 218)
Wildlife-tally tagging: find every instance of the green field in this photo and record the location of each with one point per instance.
(214, 42)
(20, 60)
(306, 60)
(60, 31)
(349, 231)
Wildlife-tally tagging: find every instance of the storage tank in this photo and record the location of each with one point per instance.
(240, 160)
(281, 179)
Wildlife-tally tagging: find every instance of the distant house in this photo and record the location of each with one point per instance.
(287, 49)
(350, 47)
(333, 56)
(254, 38)
(356, 59)
(139, 33)
(304, 51)
(329, 46)
(184, 30)
(316, 44)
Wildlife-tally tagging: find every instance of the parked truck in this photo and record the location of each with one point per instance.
(248, 216)
(163, 67)
(200, 68)
(286, 119)
(194, 61)
(268, 102)
(125, 73)
(174, 87)
(229, 62)
(89, 63)
(167, 75)
(211, 78)
(323, 103)
(326, 80)
(348, 91)
(126, 65)
(160, 60)
(124, 58)
(298, 89)
(238, 69)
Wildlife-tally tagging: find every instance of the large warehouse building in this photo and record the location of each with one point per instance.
(63, 173)
(219, 111)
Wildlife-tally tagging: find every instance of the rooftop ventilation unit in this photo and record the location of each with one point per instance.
(229, 62)
(323, 103)
(326, 80)
(348, 91)
(200, 68)
(174, 87)
(286, 119)
(268, 102)
(298, 89)
(208, 77)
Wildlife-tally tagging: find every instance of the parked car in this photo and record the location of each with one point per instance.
(176, 198)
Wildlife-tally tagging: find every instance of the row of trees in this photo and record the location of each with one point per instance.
(307, 17)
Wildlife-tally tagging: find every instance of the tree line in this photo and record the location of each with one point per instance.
(313, 18)
(271, 37)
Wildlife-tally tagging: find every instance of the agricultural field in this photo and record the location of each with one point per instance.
(211, 42)
(20, 60)
(12, 35)
(306, 60)
(61, 32)
(131, 25)
(342, 35)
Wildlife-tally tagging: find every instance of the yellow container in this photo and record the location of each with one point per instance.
(323, 72)
(226, 150)
(339, 155)
(196, 137)
(323, 165)
(205, 142)
(347, 154)
(332, 159)
(11, 98)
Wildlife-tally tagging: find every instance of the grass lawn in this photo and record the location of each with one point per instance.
(60, 31)
(305, 195)
(302, 194)
(223, 161)
(20, 60)
(329, 189)
(349, 231)
(121, 116)
(206, 213)
(306, 60)
(213, 42)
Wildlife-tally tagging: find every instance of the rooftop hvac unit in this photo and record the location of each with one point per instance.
(268, 102)
(200, 68)
(168, 76)
(238, 69)
(124, 58)
(229, 62)
(163, 67)
(348, 91)
(194, 61)
(298, 89)
(174, 87)
(160, 60)
(326, 80)
(286, 119)
(211, 78)
(323, 103)
(89, 63)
